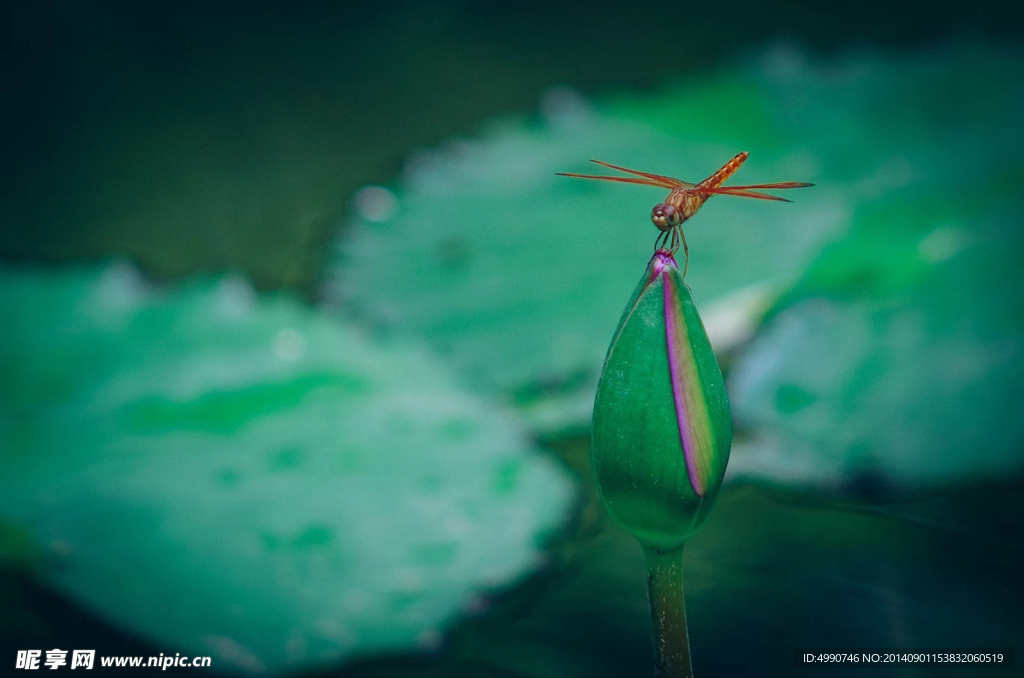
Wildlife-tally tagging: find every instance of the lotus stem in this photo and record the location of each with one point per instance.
(668, 612)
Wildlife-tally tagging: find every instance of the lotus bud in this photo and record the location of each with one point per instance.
(662, 426)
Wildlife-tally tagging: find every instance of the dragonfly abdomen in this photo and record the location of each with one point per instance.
(726, 171)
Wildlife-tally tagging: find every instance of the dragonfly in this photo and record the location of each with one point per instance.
(685, 198)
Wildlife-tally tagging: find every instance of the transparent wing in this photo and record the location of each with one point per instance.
(783, 184)
(669, 182)
(642, 178)
(625, 180)
(745, 192)
(741, 193)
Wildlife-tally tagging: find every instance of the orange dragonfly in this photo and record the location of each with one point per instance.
(685, 198)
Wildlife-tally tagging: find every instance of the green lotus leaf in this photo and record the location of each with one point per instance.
(234, 475)
(896, 360)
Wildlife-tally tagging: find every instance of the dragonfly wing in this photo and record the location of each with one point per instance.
(667, 182)
(740, 192)
(625, 180)
(783, 184)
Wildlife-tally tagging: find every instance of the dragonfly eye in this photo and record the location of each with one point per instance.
(665, 216)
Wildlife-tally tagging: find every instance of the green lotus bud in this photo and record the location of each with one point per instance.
(662, 427)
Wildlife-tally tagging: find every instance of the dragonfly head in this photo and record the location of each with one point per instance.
(666, 216)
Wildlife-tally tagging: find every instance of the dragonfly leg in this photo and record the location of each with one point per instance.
(686, 252)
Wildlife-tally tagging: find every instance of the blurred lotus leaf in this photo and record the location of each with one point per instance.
(516, 275)
(235, 475)
(897, 360)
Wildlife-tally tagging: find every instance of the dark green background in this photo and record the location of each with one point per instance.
(203, 136)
